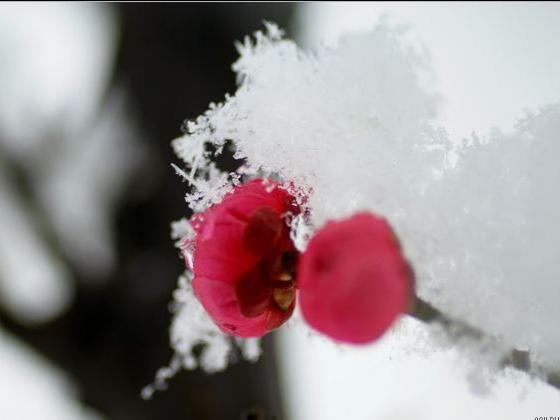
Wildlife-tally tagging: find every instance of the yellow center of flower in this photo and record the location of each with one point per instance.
(271, 283)
(283, 273)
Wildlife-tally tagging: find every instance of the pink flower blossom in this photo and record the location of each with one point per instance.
(353, 280)
(244, 259)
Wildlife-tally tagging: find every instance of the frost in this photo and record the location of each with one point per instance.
(250, 348)
(192, 326)
(195, 339)
(293, 111)
(495, 236)
(352, 126)
(181, 230)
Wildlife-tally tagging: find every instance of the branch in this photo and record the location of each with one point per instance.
(20, 179)
(518, 359)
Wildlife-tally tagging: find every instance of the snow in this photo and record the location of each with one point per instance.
(401, 377)
(49, 53)
(493, 59)
(496, 237)
(321, 101)
(191, 327)
(356, 123)
(192, 330)
(32, 292)
(31, 388)
(90, 171)
(76, 155)
(56, 61)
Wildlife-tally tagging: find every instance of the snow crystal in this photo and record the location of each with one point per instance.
(352, 125)
(495, 236)
(294, 110)
(195, 339)
(192, 326)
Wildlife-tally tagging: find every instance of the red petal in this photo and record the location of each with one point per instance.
(263, 231)
(276, 317)
(253, 294)
(220, 301)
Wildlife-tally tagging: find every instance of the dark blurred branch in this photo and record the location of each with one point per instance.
(20, 180)
(457, 329)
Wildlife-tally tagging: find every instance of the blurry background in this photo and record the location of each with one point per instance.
(91, 96)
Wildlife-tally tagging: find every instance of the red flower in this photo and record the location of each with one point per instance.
(353, 280)
(244, 259)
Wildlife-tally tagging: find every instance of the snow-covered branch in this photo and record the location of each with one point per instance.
(352, 126)
(458, 330)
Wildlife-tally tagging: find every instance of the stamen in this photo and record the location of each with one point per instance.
(284, 277)
(284, 267)
(284, 298)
